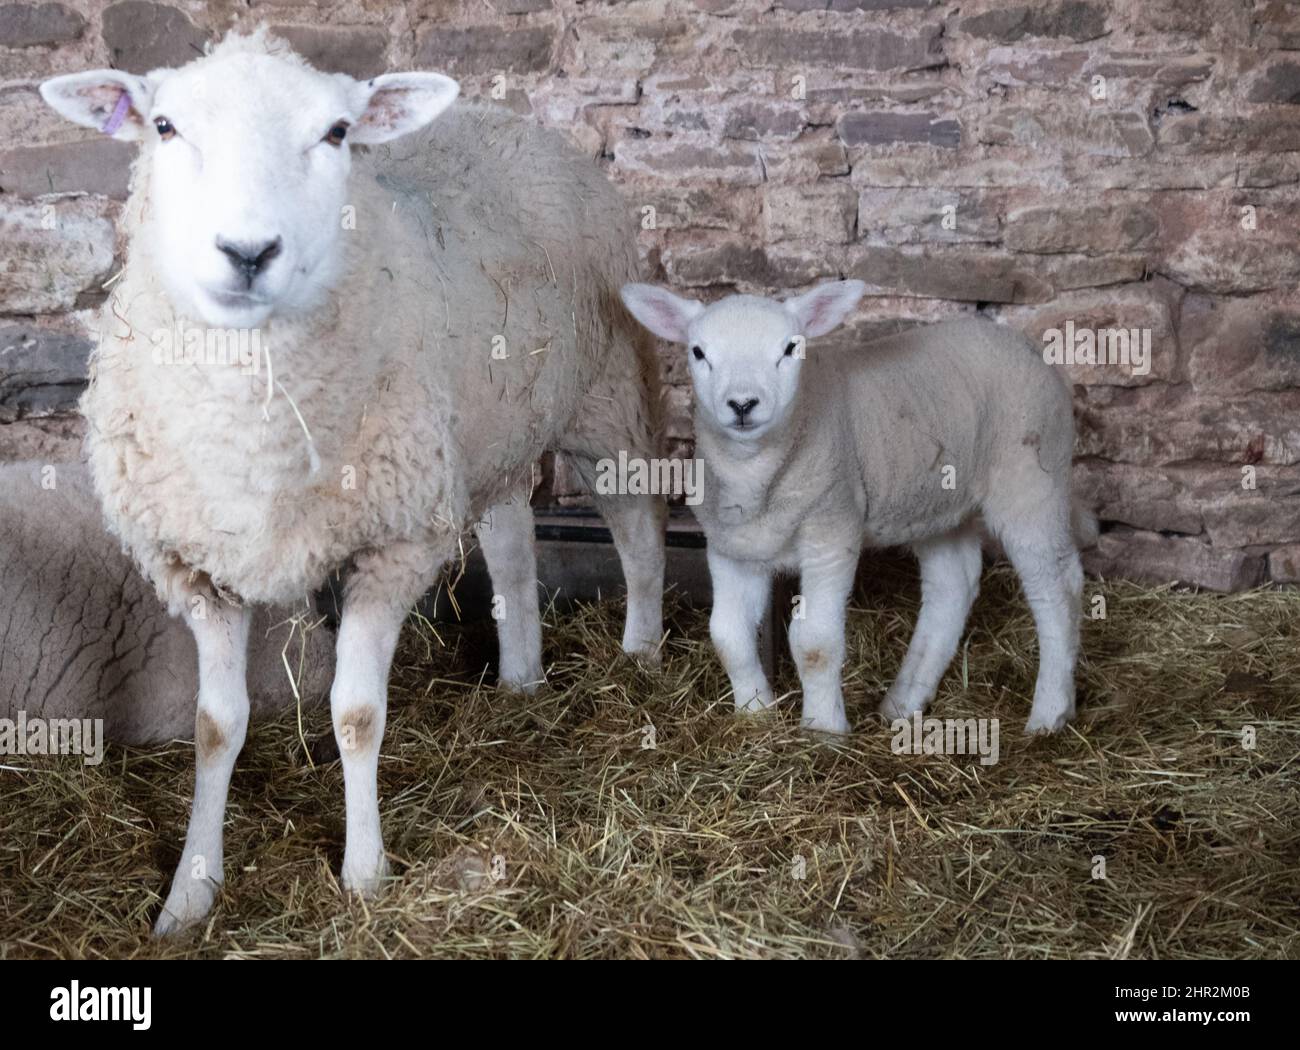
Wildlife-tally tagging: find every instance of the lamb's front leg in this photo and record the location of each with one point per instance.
(221, 634)
(740, 597)
(817, 636)
(381, 590)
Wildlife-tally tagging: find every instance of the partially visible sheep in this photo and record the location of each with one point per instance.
(395, 347)
(82, 635)
(913, 440)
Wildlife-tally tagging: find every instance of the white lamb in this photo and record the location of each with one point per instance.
(429, 317)
(913, 440)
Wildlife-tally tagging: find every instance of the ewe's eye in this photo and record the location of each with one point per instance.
(165, 129)
(789, 350)
(336, 134)
(697, 353)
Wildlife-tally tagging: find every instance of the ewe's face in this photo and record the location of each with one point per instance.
(248, 160)
(249, 175)
(745, 352)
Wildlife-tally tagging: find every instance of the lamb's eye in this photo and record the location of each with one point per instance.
(789, 350)
(165, 129)
(697, 353)
(337, 133)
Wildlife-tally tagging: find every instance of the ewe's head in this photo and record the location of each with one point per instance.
(745, 352)
(246, 152)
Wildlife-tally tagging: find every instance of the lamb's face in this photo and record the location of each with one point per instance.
(247, 155)
(745, 352)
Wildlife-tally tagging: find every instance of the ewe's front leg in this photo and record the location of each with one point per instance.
(381, 590)
(221, 634)
(740, 596)
(817, 638)
(506, 536)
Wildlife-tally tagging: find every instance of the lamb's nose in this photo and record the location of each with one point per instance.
(249, 259)
(742, 408)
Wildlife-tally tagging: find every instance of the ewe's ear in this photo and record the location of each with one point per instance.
(398, 103)
(822, 309)
(665, 314)
(107, 100)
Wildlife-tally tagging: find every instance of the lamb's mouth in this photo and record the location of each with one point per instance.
(234, 300)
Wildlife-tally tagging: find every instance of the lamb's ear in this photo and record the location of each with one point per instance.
(665, 314)
(107, 100)
(822, 309)
(398, 103)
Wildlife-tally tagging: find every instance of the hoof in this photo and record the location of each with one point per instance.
(759, 701)
(365, 880)
(1046, 723)
(189, 901)
(894, 706)
(647, 656)
(522, 685)
(833, 727)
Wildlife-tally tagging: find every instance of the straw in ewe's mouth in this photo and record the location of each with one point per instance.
(551, 827)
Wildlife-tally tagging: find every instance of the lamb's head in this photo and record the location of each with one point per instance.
(246, 153)
(745, 352)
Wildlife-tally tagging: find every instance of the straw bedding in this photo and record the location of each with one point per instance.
(546, 827)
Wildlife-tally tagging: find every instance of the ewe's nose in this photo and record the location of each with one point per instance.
(249, 259)
(742, 408)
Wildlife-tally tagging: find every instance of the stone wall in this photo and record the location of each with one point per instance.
(1108, 164)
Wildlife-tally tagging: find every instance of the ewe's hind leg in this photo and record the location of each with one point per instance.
(637, 525)
(740, 597)
(950, 579)
(506, 536)
(1047, 562)
(219, 727)
(620, 413)
(380, 591)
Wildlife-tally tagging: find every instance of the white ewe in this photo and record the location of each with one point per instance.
(912, 440)
(423, 327)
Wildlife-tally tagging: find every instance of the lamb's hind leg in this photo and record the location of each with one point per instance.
(380, 591)
(221, 721)
(506, 536)
(1047, 562)
(950, 575)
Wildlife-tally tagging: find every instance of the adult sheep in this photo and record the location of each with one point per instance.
(426, 320)
(82, 635)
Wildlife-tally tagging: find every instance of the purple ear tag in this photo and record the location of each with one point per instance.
(119, 114)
